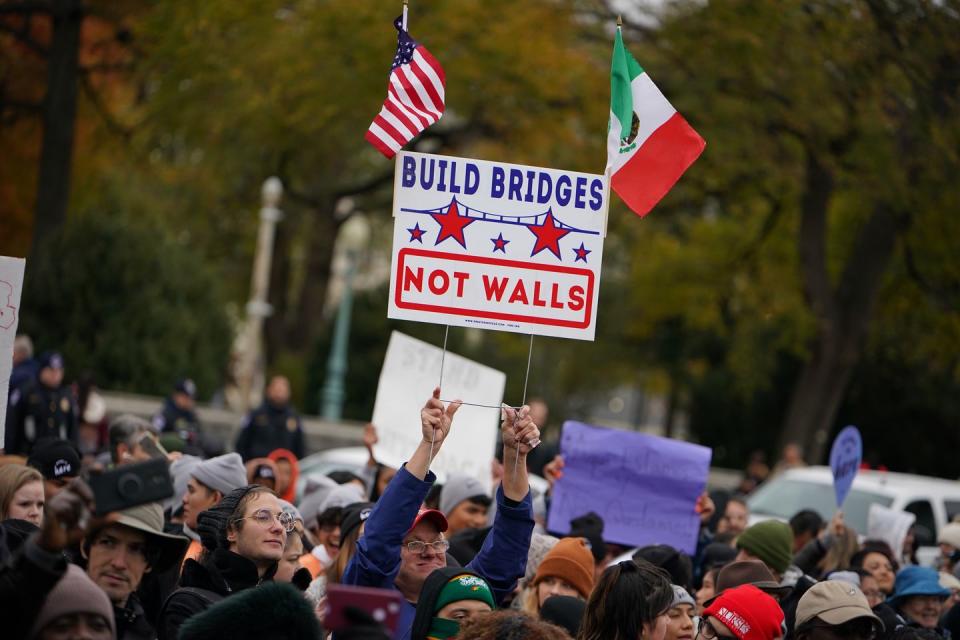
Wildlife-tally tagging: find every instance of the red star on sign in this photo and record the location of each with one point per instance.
(451, 225)
(548, 236)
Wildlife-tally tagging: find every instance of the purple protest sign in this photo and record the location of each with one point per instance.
(845, 456)
(644, 487)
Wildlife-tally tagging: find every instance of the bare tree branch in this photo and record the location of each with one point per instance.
(109, 119)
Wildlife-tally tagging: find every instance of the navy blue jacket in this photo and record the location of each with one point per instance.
(501, 561)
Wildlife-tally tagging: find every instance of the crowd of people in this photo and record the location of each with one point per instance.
(243, 550)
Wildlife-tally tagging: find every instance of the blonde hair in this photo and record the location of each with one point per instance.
(840, 552)
(12, 478)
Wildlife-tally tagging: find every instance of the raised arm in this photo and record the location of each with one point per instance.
(435, 421)
(520, 436)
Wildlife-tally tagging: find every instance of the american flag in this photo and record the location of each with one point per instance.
(415, 95)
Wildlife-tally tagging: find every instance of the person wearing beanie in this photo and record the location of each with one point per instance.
(403, 544)
(838, 608)
(58, 461)
(465, 503)
(565, 612)
(275, 611)
(680, 615)
(209, 481)
(450, 596)
(244, 537)
(770, 542)
(567, 570)
(181, 471)
(743, 612)
(76, 607)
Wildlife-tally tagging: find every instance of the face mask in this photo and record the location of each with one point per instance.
(441, 628)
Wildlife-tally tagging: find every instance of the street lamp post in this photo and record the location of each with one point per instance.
(353, 239)
(258, 309)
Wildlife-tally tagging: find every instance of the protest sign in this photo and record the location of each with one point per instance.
(497, 246)
(11, 284)
(411, 371)
(845, 456)
(644, 487)
(889, 525)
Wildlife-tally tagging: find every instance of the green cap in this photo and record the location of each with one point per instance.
(465, 586)
(771, 541)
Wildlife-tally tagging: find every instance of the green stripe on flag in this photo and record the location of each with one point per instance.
(623, 70)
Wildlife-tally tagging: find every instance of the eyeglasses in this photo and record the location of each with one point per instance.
(264, 518)
(418, 546)
(706, 631)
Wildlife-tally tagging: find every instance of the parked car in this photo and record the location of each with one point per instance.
(934, 501)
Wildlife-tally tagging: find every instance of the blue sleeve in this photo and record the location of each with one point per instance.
(377, 560)
(503, 558)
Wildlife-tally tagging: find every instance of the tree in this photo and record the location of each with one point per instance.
(124, 300)
(833, 123)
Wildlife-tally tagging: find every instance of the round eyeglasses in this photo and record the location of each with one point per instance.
(265, 518)
(418, 546)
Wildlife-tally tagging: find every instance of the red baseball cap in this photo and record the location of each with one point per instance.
(432, 515)
(750, 614)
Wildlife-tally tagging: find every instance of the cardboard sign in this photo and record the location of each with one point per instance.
(845, 456)
(644, 487)
(889, 525)
(411, 371)
(11, 284)
(497, 246)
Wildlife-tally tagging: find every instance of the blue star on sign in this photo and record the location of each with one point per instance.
(581, 253)
(499, 244)
(416, 233)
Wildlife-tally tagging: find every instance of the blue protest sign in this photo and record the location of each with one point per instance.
(845, 456)
(644, 487)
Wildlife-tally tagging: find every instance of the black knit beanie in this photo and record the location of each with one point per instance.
(212, 523)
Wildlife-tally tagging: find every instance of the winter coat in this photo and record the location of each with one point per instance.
(501, 561)
(222, 574)
(131, 621)
(24, 584)
(267, 428)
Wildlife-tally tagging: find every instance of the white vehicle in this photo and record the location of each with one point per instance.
(934, 501)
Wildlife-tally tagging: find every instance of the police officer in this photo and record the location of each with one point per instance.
(41, 408)
(273, 425)
(178, 415)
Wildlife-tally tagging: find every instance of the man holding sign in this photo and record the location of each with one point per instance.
(402, 543)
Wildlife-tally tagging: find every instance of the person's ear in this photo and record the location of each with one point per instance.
(231, 533)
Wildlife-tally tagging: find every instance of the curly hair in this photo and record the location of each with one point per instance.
(509, 625)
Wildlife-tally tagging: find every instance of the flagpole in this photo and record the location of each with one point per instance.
(405, 7)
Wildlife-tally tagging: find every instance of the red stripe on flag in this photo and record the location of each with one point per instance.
(433, 63)
(384, 124)
(415, 113)
(401, 115)
(379, 144)
(427, 83)
(408, 80)
(657, 165)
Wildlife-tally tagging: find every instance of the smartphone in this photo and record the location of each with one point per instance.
(131, 485)
(153, 448)
(383, 605)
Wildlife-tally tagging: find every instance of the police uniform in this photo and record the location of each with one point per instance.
(183, 422)
(269, 427)
(37, 411)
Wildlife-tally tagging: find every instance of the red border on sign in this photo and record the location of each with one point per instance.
(493, 315)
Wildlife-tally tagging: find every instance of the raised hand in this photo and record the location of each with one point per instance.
(435, 419)
(517, 429)
(66, 517)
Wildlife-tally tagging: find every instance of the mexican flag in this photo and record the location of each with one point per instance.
(649, 144)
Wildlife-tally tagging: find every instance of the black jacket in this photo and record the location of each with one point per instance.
(269, 427)
(221, 574)
(131, 622)
(35, 412)
(275, 611)
(24, 584)
(432, 587)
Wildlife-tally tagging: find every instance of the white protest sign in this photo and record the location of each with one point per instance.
(11, 284)
(411, 371)
(497, 246)
(889, 525)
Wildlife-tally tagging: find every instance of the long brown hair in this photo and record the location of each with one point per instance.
(629, 595)
(348, 548)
